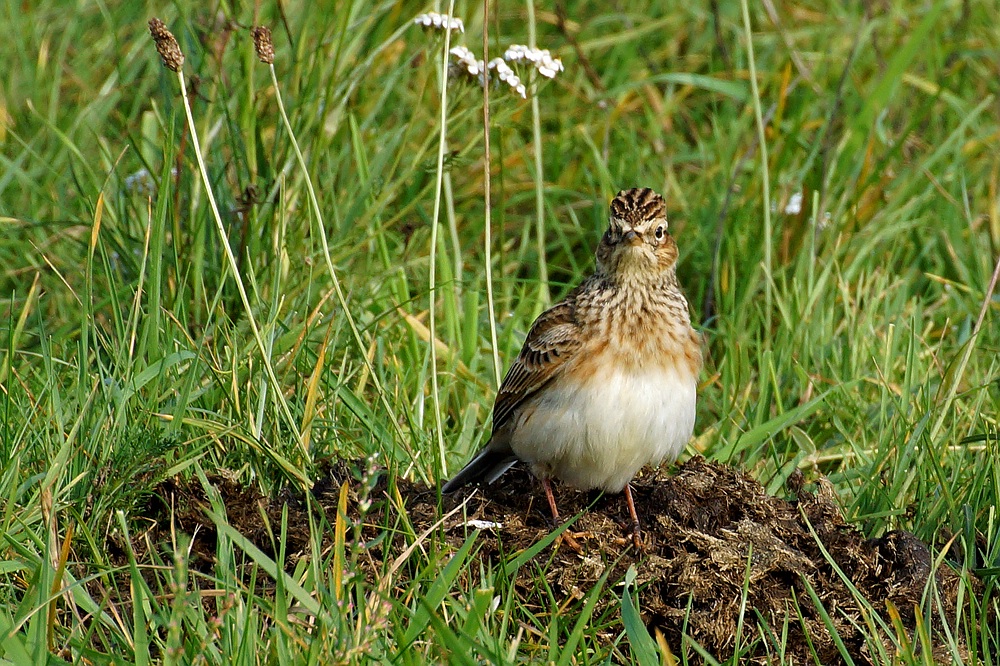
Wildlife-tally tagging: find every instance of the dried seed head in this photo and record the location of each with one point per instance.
(166, 45)
(263, 45)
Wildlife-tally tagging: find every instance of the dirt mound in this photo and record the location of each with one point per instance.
(706, 526)
(701, 526)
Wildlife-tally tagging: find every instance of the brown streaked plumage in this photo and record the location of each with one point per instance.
(605, 382)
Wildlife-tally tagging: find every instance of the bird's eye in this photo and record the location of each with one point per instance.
(659, 232)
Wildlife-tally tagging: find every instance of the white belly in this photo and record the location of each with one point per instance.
(600, 433)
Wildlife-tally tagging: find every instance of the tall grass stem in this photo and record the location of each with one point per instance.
(268, 368)
(435, 221)
(969, 346)
(544, 297)
(488, 240)
(765, 175)
(321, 232)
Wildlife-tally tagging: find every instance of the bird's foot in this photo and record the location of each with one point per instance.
(637, 537)
(571, 539)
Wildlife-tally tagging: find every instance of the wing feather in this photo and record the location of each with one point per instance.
(553, 340)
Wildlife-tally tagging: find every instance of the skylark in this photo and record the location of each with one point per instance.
(605, 382)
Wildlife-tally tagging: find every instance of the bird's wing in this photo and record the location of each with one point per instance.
(553, 340)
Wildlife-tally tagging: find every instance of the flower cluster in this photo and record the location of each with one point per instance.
(542, 59)
(466, 63)
(794, 205)
(435, 21)
(507, 75)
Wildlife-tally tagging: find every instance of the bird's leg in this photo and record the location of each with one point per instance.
(566, 536)
(636, 532)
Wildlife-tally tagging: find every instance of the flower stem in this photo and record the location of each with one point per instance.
(268, 369)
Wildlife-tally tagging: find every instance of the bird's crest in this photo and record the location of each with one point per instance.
(638, 205)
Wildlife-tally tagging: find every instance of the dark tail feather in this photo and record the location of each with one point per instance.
(487, 466)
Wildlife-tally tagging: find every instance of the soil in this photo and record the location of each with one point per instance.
(705, 526)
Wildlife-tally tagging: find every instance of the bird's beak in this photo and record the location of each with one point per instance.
(631, 238)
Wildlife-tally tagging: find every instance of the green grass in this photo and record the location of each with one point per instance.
(844, 343)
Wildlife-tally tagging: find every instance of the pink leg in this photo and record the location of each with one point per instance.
(567, 536)
(636, 532)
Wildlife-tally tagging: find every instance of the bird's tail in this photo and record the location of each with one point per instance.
(487, 466)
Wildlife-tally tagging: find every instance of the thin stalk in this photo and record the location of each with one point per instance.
(544, 298)
(282, 403)
(435, 221)
(488, 242)
(761, 137)
(456, 245)
(969, 346)
(321, 232)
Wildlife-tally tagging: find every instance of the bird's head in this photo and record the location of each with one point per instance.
(637, 244)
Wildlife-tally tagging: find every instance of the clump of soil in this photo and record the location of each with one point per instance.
(701, 526)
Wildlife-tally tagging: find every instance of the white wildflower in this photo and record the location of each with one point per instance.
(518, 52)
(542, 59)
(466, 61)
(439, 22)
(503, 70)
(794, 205)
(507, 75)
(549, 67)
(465, 64)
